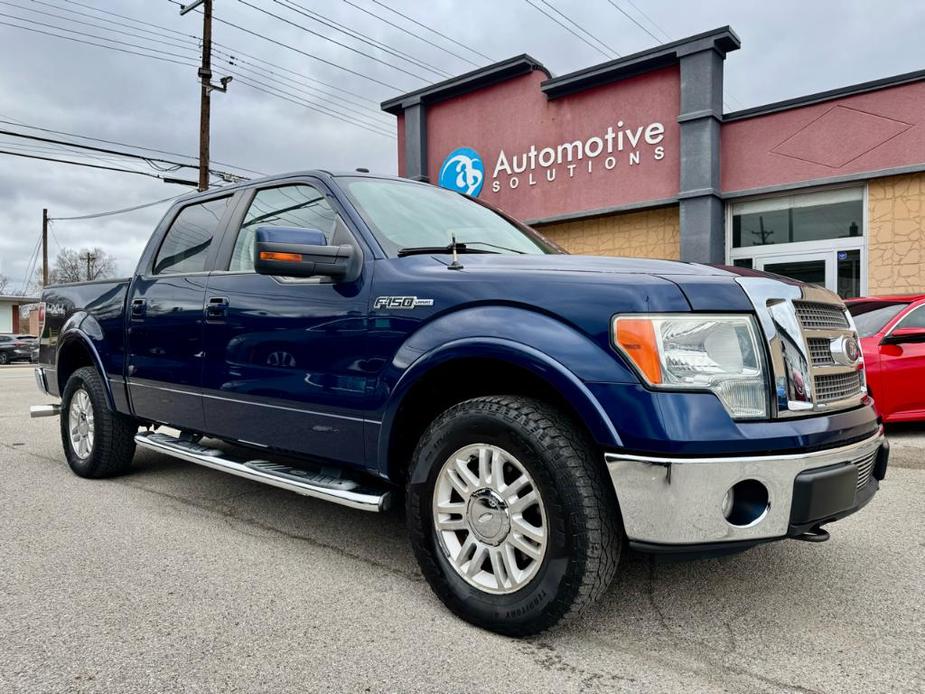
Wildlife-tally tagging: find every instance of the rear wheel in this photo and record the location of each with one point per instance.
(4, 358)
(97, 441)
(511, 518)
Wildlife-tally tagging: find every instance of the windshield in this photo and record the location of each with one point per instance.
(871, 316)
(411, 215)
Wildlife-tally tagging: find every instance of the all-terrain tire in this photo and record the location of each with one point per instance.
(113, 440)
(585, 533)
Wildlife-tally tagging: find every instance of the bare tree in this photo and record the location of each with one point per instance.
(4, 284)
(79, 266)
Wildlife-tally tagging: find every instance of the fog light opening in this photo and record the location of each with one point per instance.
(746, 503)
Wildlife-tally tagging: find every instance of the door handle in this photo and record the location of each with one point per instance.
(217, 308)
(139, 309)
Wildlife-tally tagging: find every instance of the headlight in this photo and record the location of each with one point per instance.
(705, 352)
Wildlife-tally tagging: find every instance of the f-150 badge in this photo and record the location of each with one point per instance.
(401, 302)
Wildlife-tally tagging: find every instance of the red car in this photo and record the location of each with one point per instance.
(892, 331)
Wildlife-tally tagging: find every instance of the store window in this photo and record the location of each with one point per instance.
(815, 237)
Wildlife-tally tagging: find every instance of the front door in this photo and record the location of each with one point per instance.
(812, 268)
(285, 360)
(165, 311)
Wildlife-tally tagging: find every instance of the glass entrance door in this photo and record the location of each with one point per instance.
(813, 268)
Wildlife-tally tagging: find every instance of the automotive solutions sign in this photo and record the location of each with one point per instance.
(623, 146)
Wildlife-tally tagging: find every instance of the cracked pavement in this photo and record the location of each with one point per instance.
(180, 578)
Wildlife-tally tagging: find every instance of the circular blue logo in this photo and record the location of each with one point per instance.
(463, 171)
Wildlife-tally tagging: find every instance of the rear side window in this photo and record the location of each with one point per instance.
(186, 245)
(301, 206)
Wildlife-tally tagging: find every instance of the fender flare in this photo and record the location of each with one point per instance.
(74, 332)
(575, 392)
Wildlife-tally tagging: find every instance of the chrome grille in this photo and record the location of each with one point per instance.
(816, 316)
(833, 387)
(820, 351)
(865, 466)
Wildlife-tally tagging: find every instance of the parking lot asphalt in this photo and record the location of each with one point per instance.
(180, 578)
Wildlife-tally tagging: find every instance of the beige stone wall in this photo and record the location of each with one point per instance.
(647, 234)
(896, 224)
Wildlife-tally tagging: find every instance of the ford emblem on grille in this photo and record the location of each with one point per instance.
(845, 350)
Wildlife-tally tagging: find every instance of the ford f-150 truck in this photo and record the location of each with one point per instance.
(360, 339)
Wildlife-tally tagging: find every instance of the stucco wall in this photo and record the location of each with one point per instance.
(897, 234)
(647, 234)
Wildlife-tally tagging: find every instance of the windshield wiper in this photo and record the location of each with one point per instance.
(460, 248)
(494, 245)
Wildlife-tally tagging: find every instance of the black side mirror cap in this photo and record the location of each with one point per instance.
(904, 336)
(295, 252)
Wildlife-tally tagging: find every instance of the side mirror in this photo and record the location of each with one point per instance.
(295, 252)
(903, 336)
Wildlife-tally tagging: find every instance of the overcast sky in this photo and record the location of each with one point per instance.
(788, 49)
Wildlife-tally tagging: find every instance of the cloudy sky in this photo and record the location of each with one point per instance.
(788, 49)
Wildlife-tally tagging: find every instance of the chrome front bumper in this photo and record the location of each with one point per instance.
(679, 501)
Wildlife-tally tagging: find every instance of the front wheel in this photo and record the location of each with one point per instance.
(511, 517)
(97, 441)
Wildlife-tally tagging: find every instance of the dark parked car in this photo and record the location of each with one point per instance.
(18, 348)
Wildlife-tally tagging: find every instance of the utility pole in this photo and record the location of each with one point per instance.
(44, 247)
(89, 257)
(205, 76)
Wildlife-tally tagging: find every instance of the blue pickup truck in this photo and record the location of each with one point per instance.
(364, 339)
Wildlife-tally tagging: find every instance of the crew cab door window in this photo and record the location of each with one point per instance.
(302, 206)
(185, 248)
(165, 319)
(286, 360)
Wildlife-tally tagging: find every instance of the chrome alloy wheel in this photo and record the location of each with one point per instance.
(489, 518)
(80, 424)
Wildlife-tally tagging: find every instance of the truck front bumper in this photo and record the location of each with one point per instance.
(685, 504)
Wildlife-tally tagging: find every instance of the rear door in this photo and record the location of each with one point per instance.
(285, 365)
(165, 315)
(902, 368)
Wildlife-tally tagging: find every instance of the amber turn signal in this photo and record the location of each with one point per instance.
(284, 257)
(636, 337)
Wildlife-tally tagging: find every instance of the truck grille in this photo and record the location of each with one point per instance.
(816, 316)
(833, 387)
(865, 466)
(820, 351)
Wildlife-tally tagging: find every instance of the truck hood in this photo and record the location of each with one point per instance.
(706, 287)
(583, 264)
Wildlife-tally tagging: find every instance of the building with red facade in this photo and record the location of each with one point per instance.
(636, 157)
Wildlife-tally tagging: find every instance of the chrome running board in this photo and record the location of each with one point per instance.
(345, 492)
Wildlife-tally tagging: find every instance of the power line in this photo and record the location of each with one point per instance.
(98, 45)
(334, 41)
(579, 27)
(633, 20)
(364, 38)
(377, 113)
(649, 18)
(295, 100)
(149, 160)
(339, 115)
(298, 50)
(110, 213)
(166, 179)
(567, 28)
(115, 142)
(430, 29)
(235, 55)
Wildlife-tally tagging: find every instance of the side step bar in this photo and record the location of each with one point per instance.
(340, 491)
